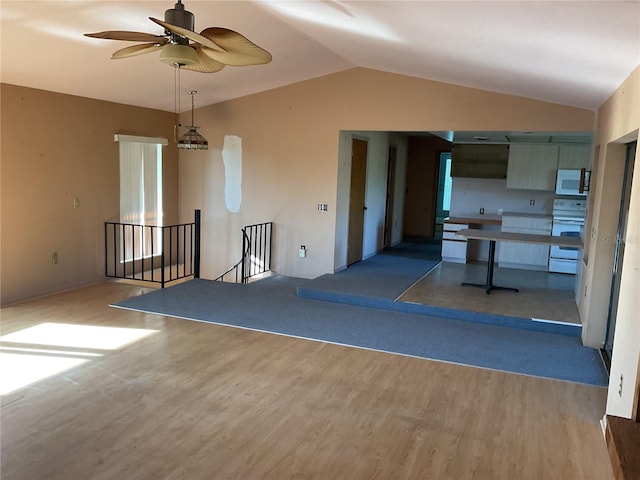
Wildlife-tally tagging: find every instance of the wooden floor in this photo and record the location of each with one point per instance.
(199, 401)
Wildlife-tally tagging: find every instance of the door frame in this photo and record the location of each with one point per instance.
(618, 256)
(392, 161)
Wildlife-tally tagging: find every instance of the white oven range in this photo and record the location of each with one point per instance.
(568, 221)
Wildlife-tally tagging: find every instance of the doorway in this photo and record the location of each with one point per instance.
(357, 205)
(618, 256)
(443, 200)
(391, 181)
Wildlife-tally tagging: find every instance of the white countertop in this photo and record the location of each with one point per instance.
(573, 242)
(528, 215)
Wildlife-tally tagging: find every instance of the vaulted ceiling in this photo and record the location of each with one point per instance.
(568, 52)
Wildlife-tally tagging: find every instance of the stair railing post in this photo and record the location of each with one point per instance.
(162, 258)
(244, 260)
(196, 254)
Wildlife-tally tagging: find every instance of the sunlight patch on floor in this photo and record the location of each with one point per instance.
(21, 364)
(78, 336)
(19, 370)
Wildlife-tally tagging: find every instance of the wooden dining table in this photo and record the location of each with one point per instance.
(495, 236)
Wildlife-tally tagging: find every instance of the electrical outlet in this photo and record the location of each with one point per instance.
(54, 257)
(482, 211)
(76, 202)
(500, 211)
(620, 386)
(303, 251)
(532, 202)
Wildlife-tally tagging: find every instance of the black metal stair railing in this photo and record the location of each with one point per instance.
(155, 254)
(256, 254)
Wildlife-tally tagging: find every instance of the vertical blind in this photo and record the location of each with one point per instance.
(140, 196)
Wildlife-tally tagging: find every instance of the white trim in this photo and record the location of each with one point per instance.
(118, 137)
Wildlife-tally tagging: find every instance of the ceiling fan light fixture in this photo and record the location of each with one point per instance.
(178, 55)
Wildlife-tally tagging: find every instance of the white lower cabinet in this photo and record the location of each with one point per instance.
(525, 255)
(454, 249)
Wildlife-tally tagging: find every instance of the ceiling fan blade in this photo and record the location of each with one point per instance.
(134, 50)
(127, 36)
(206, 64)
(191, 35)
(239, 50)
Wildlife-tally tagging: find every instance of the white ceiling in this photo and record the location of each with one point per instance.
(568, 52)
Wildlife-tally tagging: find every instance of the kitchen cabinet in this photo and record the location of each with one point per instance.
(574, 156)
(454, 249)
(479, 161)
(524, 255)
(532, 166)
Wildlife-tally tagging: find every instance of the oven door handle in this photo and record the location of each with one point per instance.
(579, 223)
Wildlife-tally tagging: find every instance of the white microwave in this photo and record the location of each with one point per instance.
(572, 182)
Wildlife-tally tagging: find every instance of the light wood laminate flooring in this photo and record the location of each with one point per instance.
(542, 295)
(200, 401)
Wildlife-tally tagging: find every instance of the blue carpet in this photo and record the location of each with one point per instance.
(271, 305)
(330, 293)
(378, 281)
(387, 275)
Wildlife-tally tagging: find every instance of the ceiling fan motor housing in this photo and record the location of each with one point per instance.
(180, 17)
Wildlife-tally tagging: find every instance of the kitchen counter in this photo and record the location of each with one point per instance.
(527, 215)
(476, 220)
(572, 242)
(494, 237)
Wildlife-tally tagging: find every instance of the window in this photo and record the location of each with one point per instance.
(444, 185)
(140, 196)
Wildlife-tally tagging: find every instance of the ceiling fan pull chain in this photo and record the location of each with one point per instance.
(192, 93)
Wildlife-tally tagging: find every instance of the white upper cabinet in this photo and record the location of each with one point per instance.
(574, 156)
(532, 166)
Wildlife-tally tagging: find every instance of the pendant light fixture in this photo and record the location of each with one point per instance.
(192, 139)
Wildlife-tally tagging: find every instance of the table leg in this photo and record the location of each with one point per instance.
(488, 285)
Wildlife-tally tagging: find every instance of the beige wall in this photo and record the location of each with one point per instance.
(291, 138)
(618, 123)
(56, 147)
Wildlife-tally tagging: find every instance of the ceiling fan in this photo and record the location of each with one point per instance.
(206, 52)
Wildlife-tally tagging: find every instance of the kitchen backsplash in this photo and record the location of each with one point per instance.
(469, 195)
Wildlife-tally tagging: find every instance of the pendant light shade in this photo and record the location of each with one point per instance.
(192, 139)
(178, 55)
